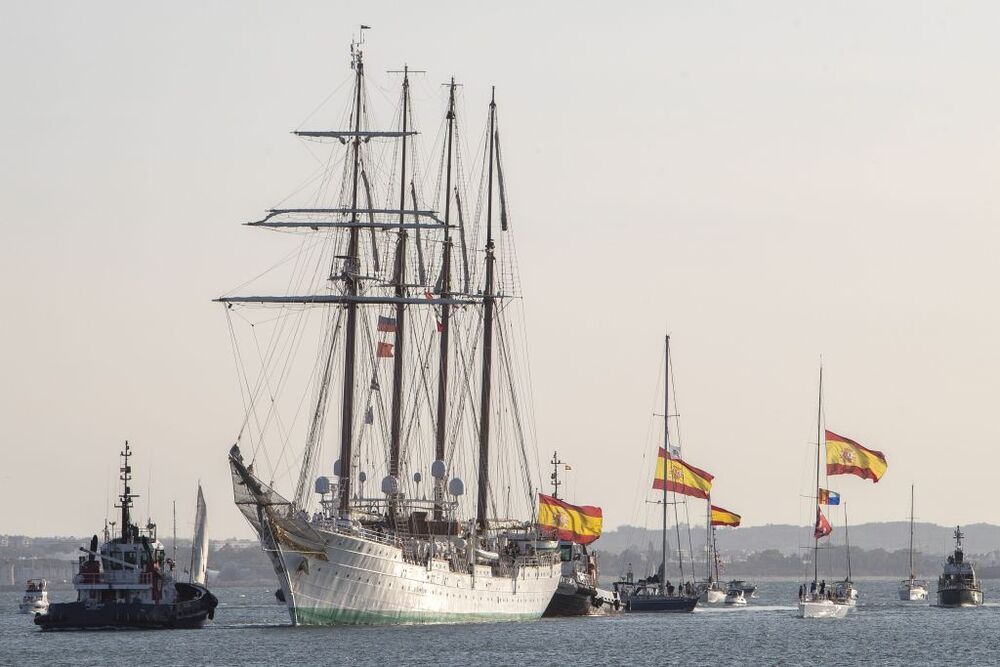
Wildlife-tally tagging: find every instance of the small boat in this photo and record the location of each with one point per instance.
(912, 589)
(712, 592)
(129, 582)
(36, 597)
(749, 589)
(735, 597)
(958, 585)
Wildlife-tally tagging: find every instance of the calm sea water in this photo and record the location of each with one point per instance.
(250, 629)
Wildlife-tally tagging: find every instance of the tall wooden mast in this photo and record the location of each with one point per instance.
(489, 299)
(442, 398)
(351, 273)
(400, 280)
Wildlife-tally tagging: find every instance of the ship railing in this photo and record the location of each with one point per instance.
(113, 577)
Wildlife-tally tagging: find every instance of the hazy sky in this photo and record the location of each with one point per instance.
(769, 181)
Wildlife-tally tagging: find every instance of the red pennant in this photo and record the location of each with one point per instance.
(823, 527)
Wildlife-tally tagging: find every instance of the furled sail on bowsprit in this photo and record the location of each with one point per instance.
(412, 350)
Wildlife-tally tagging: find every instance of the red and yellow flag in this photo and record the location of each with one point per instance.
(722, 517)
(846, 457)
(681, 477)
(581, 524)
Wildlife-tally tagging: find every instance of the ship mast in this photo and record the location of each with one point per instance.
(819, 440)
(556, 462)
(400, 334)
(666, 460)
(442, 398)
(126, 496)
(911, 533)
(489, 299)
(351, 274)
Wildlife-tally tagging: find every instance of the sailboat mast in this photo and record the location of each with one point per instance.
(709, 541)
(351, 270)
(819, 440)
(847, 542)
(488, 301)
(442, 398)
(911, 532)
(666, 452)
(400, 335)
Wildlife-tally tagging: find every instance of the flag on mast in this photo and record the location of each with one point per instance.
(384, 350)
(681, 477)
(847, 457)
(828, 497)
(823, 527)
(386, 324)
(579, 523)
(723, 517)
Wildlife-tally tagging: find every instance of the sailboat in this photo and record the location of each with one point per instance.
(655, 593)
(843, 457)
(815, 599)
(912, 589)
(845, 590)
(347, 555)
(199, 544)
(712, 590)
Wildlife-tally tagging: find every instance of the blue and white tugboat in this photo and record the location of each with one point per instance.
(129, 582)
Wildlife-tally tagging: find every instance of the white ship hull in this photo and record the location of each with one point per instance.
(822, 609)
(360, 581)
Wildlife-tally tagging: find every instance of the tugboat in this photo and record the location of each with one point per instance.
(129, 582)
(958, 585)
(36, 597)
(578, 593)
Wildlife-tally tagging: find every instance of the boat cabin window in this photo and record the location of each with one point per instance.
(566, 553)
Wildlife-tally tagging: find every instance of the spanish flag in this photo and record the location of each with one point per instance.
(681, 477)
(581, 524)
(721, 517)
(846, 457)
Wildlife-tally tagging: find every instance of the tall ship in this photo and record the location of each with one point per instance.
(128, 582)
(912, 589)
(409, 309)
(844, 456)
(958, 585)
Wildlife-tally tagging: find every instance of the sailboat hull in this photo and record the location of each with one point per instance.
(357, 581)
(822, 609)
(915, 593)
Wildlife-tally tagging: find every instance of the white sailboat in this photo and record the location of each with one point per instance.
(912, 589)
(199, 545)
(817, 600)
(358, 557)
